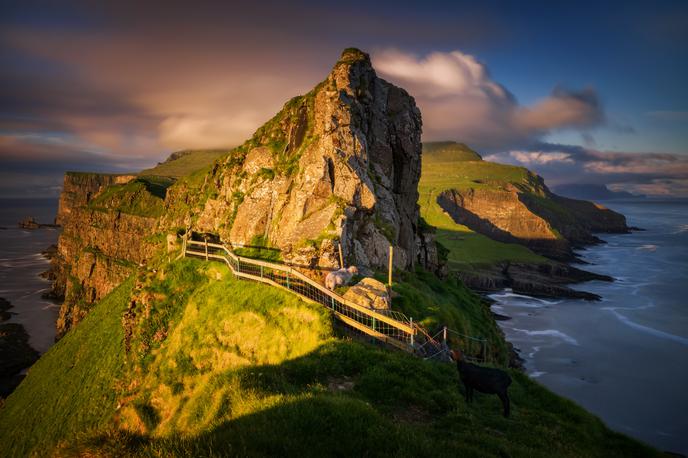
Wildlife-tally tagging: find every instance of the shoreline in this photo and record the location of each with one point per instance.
(579, 349)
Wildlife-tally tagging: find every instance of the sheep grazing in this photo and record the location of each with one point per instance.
(340, 277)
(483, 379)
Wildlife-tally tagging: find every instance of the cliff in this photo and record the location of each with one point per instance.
(542, 221)
(340, 164)
(503, 228)
(79, 188)
(102, 239)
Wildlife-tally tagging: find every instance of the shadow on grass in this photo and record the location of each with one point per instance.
(396, 405)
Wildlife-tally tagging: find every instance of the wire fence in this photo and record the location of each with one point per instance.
(388, 326)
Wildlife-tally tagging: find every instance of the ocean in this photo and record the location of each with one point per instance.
(21, 263)
(624, 358)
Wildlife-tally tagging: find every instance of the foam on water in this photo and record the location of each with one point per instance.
(647, 329)
(550, 332)
(649, 247)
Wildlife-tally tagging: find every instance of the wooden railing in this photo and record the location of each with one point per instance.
(396, 330)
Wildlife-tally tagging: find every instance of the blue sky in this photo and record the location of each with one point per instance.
(591, 92)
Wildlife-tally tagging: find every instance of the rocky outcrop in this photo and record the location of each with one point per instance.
(339, 165)
(79, 189)
(15, 352)
(540, 280)
(98, 248)
(544, 222)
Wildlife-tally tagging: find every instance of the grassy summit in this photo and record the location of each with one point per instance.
(184, 163)
(217, 366)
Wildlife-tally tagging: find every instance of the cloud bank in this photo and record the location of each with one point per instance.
(459, 100)
(639, 173)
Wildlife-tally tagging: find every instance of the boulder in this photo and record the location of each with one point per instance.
(369, 293)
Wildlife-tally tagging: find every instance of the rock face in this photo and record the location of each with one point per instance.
(79, 188)
(97, 249)
(544, 222)
(338, 165)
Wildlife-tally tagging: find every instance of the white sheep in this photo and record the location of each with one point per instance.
(340, 277)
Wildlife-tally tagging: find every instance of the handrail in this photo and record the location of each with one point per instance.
(390, 327)
(372, 313)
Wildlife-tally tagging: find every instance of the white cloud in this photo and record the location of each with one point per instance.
(460, 101)
(541, 157)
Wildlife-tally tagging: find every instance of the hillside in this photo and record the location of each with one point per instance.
(232, 367)
(502, 226)
(183, 163)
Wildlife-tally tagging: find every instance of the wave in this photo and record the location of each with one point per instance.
(649, 247)
(536, 374)
(647, 329)
(507, 294)
(681, 229)
(550, 332)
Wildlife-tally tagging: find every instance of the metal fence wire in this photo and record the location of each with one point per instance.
(390, 327)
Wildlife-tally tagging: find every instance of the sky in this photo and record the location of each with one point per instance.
(578, 92)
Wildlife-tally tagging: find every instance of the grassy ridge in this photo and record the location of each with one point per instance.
(185, 163)
(240, 368)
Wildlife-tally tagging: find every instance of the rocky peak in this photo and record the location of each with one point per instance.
(339, 164)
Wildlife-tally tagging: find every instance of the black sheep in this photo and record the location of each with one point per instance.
(483, 379)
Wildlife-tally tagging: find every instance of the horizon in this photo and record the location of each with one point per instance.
(574, 95)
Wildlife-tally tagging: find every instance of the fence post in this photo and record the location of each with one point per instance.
(412, 331)
(444, 335)
(341, 257)
(261, 271)
(186, 234)
(288, 287)
(206, 249)
(391, 257)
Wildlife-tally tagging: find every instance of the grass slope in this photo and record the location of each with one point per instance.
(142, 196)
(238, 368)
(185, 163)
(72, 387)
(451, 165)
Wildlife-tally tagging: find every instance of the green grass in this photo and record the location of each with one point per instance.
(448, 152)
(143, 196)
(185, 163)
(72, 387)
(435, 303)
(441, 173)
(245, 369)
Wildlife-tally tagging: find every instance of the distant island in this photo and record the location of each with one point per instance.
(590, 191)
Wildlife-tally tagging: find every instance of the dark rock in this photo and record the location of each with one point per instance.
(29, 223)
(4, 307)
(538, 280)
(15, 353)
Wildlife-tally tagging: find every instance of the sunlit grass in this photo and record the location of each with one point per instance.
(250, 370)
(454, 167)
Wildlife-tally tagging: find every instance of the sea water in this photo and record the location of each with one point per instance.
(21, 264)
(624, 358)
